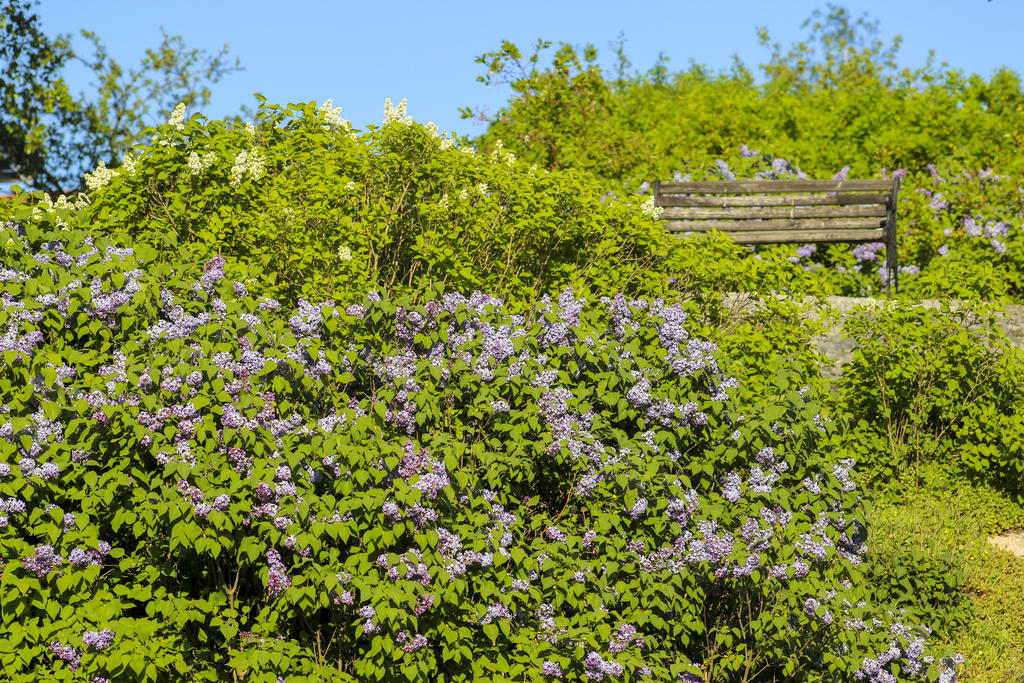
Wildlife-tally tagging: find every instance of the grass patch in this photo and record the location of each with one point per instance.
(946, 523)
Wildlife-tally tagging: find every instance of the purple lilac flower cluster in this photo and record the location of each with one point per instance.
(43, 560)
(69, 654)
(780, 168)
(98, 640)
(278, 580)
(868, 252)
(994, 231)
(553, 669)
(905, 655)
(623, 637)
(79, 557)
(367, 613)
(802, 252)
(596, 668)
(417, 642)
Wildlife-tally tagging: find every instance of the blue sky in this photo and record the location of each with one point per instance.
(360, 53)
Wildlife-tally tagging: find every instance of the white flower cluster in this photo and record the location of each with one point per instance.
(649, 209)
(130, 161)
(46, 204)
(251, 163)
(350, 186)
(80, 202)
(100, 177)
(257, 165)
(238, 169)
(250, 129)
(395, 114)
(446, 142)
(344, 253)
(177, 119)
(197, 165)
(332, 116)
(499, 152)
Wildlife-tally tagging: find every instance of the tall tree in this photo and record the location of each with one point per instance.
(32, 91)
(49, 137)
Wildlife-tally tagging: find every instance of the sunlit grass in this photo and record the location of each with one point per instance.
(955, 519)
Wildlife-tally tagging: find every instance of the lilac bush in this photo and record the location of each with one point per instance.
(203, 484)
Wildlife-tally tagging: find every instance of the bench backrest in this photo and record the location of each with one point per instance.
(786, 211)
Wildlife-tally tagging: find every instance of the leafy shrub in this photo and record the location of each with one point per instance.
(961, 279)
(935, 384)
(834, 104)
(923, 585)
(328, 210)
(836, 99)
(767, 343)
(962, 229)
(198, 482)
(705, 267)
(949, 517)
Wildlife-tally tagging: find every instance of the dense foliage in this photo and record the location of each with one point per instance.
(839, 98)
(199, 481)
(835, 105)
(255, 426)
(50, 136)
(936, 385)
(326, 209)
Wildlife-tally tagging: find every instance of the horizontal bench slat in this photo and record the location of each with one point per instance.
(804, 236)
(772, 200)
(772, 186)
(780, 212)
(833, 226)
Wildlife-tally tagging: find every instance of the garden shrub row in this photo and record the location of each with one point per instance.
(832, 101)
(327, 210)
(198, 481)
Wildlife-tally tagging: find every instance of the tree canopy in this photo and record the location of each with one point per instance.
(48, 136)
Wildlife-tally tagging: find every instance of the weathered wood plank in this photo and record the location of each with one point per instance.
(771, 200)
(772, 186)
(778, 212)
(834, 225)
(803, 236)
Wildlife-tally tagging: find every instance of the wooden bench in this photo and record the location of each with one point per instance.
(787, 211)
